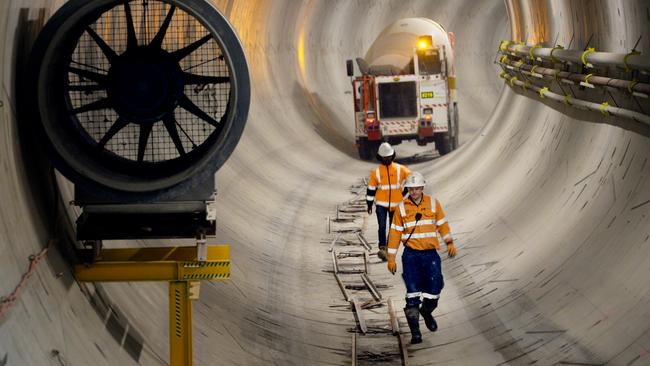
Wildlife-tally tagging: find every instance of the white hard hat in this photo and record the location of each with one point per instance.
(385, 150)
(414, 180)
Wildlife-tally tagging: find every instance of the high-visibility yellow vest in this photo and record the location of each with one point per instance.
(386, 184)
(422, 235)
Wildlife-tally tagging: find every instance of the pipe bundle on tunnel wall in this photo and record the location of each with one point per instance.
(550, 211)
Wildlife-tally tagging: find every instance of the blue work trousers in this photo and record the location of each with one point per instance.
(382, 212)
(422, 275)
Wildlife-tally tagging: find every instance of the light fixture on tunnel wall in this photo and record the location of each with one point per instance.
(140, 102)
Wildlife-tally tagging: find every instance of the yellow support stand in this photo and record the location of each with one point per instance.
(177, 265)
(180, 323)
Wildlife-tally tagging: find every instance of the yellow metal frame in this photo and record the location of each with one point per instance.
(177, 265)
(180, 323)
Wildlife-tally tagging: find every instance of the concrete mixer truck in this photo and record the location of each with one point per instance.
(398, 98)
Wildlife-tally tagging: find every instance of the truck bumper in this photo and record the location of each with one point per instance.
(425, 132)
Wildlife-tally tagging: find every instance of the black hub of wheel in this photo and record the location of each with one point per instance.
(145, 84)
(139, 95)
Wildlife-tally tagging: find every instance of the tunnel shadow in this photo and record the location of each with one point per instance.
(43, 191)
(313, 109)
(421, 157)
(38, 177)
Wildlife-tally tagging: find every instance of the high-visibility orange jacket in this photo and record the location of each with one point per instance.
(432, 224)
(386, 184)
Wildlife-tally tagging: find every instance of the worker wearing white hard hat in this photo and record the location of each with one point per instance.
(385, 150)
(385, 191)
(415, 180)
(420, 220)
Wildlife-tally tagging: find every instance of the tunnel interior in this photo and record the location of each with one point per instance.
(549, 207)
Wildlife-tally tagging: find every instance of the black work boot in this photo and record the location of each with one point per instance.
(427, 308)
(413, 319)
(382, 254)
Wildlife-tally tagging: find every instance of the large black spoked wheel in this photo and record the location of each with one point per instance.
(141, 96)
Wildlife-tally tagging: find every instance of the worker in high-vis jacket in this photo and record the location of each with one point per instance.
(385, 190)
(420, 220)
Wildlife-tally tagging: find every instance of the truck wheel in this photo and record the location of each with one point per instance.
(456, 127)
(374, 147)
(364, 149)
(443, 144)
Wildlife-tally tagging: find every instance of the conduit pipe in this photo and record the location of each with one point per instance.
(628, 85)
(603, 108)
(629, 61)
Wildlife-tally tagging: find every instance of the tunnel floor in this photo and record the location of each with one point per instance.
(550, 210)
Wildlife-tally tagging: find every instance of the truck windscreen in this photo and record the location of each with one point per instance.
(397, 100)
(429, 62)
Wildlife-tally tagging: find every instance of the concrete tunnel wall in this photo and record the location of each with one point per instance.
(549, 212)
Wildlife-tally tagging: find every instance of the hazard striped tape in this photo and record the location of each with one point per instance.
(390, 123)
(435, 105)
(401, 129)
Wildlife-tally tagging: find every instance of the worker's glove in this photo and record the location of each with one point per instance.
(451, 250)
(369, 210)
(392, 266)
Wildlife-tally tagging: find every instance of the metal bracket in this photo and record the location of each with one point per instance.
(201, 248)
(182, 267)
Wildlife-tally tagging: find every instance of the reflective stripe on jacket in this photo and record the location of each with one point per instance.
(431, 225)
(384, 190)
